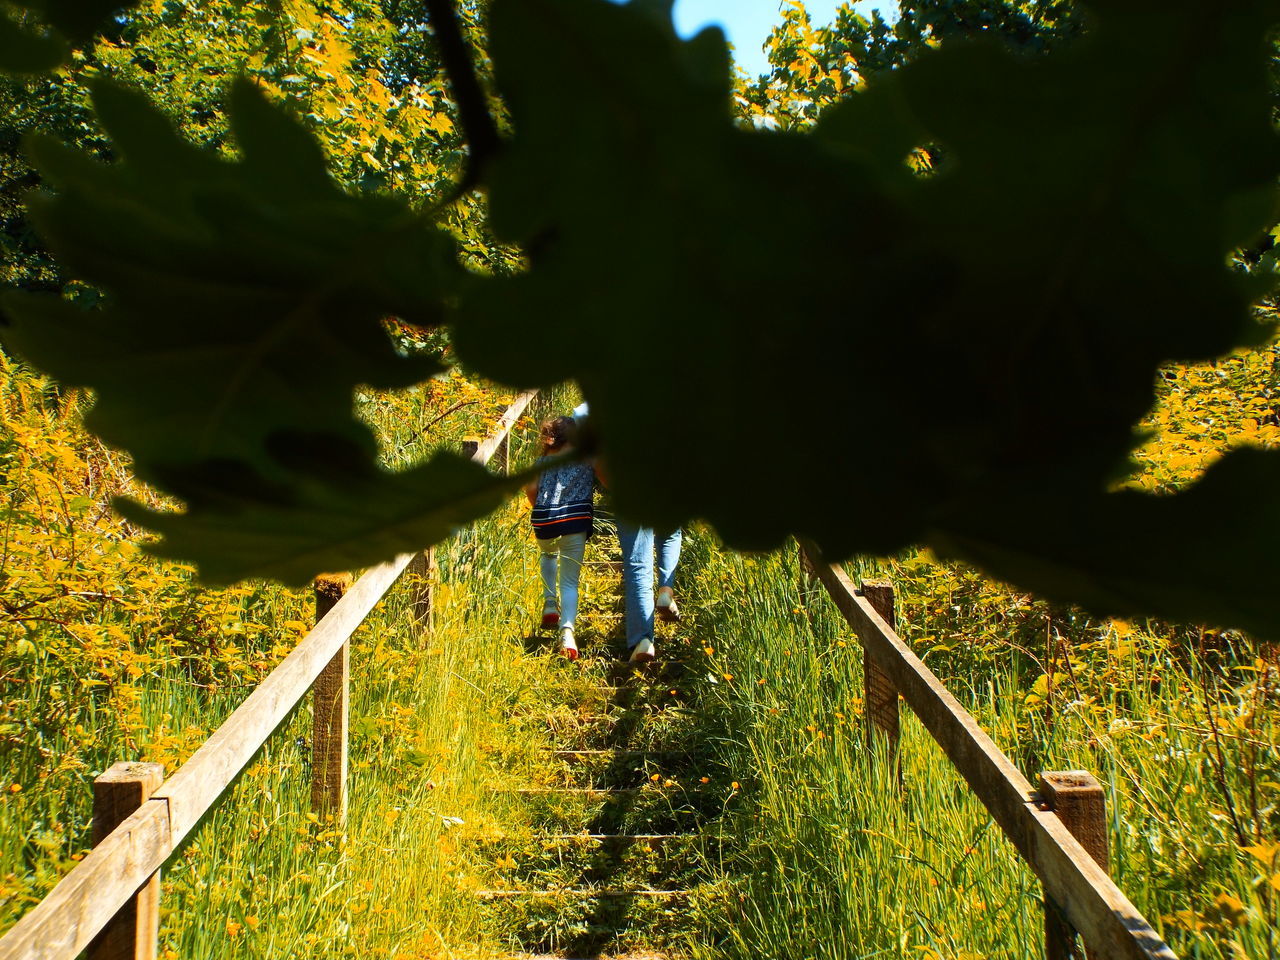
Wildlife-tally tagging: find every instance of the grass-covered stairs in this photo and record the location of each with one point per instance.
(621, 844)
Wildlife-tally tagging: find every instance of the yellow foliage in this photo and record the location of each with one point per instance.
(107, 653)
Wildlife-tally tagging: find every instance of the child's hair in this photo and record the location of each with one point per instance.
(556, 432)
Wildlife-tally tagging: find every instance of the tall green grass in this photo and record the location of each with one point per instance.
(432, 744)
(832, 859)
(262, 877)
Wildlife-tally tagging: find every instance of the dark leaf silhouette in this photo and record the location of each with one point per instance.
(26, 47)
(246, 304)
(780, 333)
(331, 516)
(877, 356)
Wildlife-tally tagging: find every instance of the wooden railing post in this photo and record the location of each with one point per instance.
(806, 569)
(881, 696)
(134, 932)
(1077, 798)
(330, 693)
(424, 572)
(502, 456)
(806, 579)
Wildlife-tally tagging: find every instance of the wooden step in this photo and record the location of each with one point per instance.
(655, 670)
(559, 752)
(597, 837)
(580, 720)
(572, 791)
(586, 893)
(631, 688)
(620, 837)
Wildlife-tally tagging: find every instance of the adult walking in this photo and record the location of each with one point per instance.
(640, 547)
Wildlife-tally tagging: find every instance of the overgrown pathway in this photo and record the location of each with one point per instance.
(621, 845)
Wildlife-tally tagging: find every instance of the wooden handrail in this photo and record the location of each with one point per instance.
(1095, 906)
(61, 925)
(484, 453)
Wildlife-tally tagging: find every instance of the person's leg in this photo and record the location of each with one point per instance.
(572, 548)
(637, 581)
(547, 567)
(668, 557)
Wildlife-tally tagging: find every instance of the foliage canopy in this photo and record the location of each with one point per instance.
(1005, 313)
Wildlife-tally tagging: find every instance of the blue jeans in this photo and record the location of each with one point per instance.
(638, 545)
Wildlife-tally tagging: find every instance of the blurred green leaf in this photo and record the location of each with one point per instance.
(28, 48)
(1131, 553)
(246, 303)
(335, 515)
(240, 306)
(22, 51)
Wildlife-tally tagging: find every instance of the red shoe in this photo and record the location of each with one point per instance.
(568, 646)
(550, 619)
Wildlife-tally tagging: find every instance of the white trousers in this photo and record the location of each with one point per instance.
(562, 556)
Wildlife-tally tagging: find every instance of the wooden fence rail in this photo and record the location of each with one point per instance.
(1075, 879)
(115, 877)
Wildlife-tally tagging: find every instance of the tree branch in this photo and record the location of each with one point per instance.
(473, 108)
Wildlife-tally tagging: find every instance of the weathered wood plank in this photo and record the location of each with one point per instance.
(331, 696)
(881, 700)
(1076, 797)
(485, 451)
(192, 790)
(134, 932)
(502, 456)
(1091, 901)
(424, 572)
(84, 901)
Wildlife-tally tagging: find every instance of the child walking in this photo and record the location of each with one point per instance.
(562, 522)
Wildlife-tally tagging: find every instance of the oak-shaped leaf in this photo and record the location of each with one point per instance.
(794, 333)
(245, 298)
(1126, 554)
(245, 302)
(335, 514)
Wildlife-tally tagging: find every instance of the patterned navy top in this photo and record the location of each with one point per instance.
(563, 504)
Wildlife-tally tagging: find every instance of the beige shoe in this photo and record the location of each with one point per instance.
(643, 652)
(666, 607)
